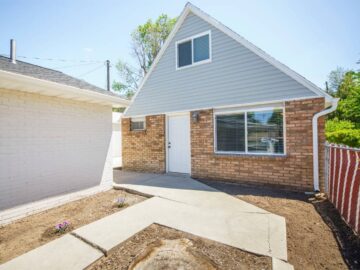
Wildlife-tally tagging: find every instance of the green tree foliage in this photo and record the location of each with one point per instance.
(335, 79)
(129, 78)
(146, 42)
(345, 137)
(344, 124)
(349, 93)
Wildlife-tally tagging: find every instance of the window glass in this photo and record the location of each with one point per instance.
(184, 54)
(137, 124)
(201, 48)
(230, 132)
(265, 131)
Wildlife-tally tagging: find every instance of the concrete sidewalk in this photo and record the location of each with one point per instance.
(230, 221)
(178, 202)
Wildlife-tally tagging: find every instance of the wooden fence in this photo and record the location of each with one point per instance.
(342, 169)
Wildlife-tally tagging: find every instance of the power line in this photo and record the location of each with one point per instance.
(57, 59)
(77, 65)
(90, 71)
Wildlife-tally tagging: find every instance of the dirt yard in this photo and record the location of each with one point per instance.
(35, 230)
(152, 248)
(312, 243)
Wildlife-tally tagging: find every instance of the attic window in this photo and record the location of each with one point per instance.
(137, 123)
(194, 50)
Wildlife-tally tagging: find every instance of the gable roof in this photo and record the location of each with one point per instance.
(48, 74)
(53, 83)
(189, 8)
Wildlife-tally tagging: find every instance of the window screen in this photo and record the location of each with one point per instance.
(265, 131)
(184, 54)
(201, 48)
(230, 132)
(137, 125)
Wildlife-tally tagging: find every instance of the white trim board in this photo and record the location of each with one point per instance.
(227, 106)
(19, 82)
(198, 12)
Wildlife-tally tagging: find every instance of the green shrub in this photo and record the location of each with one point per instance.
(342, 132)
(335, 125)
(349, 137)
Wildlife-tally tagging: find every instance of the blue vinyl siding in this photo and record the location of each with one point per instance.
(234, 76)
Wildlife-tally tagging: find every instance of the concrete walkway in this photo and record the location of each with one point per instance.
(219, 217)
(178, 202)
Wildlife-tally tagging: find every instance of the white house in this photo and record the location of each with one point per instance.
(55, 133)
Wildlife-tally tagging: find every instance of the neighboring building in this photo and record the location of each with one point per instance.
(215, 106)
(116, 140)
(55, 133)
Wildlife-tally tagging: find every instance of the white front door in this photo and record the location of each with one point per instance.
(178, 143)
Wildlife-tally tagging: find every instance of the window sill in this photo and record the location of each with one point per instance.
(248, 155)
(206, 61)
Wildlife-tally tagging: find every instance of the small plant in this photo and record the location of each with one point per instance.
(120, 202)
(62, 227)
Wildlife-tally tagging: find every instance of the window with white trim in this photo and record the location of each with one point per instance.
(258, 131)
(137, 123)
(193, 50)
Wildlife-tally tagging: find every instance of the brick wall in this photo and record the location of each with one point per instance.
(144, 150)
(51, 146)
(294, 171)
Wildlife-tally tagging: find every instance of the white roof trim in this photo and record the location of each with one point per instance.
(15, 81)
(198, 12)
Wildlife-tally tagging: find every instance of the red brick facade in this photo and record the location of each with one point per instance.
(145, 150)
(293, 171)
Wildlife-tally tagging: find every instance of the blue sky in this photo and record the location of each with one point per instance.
(312, 37)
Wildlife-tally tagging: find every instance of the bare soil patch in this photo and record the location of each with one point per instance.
(348, 241)
(159, 247)
(33, 231)
(312, 240)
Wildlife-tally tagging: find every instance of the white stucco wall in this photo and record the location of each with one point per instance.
(51, 146)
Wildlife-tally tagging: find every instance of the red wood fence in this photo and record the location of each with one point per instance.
(343, 182)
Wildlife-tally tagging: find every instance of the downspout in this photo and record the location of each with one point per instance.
(334, 104)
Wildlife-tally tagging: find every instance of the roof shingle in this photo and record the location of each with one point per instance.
(48, 74)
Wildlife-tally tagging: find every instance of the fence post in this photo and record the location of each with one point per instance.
(326, 168)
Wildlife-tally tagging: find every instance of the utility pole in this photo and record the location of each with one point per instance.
(108, 74)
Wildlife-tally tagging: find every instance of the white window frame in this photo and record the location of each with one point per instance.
(192, 50)
(138, 119)
(245, 111)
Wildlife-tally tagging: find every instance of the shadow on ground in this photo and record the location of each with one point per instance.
(158, 180)
(348, 242)
(236, 189)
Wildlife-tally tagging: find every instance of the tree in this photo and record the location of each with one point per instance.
(129, 78)
(349, 93)
(335, 78)
(343, 127)
(146, 42)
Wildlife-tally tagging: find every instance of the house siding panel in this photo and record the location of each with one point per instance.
(236, 75)
(51, 146)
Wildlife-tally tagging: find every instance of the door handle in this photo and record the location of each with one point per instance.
(169, 144)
